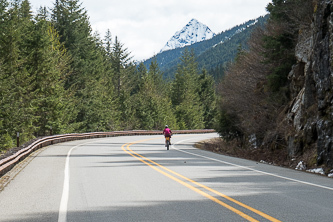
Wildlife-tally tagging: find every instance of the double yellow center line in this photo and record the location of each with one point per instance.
(188, 183)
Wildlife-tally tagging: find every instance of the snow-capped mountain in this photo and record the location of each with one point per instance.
(211, 54)
(192, 33)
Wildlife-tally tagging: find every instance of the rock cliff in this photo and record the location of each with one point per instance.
(311, 111)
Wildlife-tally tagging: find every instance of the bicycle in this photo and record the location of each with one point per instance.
(167, 142)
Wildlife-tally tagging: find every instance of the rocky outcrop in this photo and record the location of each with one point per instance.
(311, 111)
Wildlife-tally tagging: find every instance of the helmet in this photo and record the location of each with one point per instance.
(166, 126)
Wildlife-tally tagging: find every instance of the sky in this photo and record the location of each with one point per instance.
(145, 26)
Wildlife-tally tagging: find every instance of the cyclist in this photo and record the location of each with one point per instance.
(167, 133)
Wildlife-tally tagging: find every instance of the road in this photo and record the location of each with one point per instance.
(134, 178)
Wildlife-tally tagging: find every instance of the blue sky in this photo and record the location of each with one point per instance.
(145, 26)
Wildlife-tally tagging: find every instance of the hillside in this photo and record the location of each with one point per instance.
(277, 97)
(211, 53)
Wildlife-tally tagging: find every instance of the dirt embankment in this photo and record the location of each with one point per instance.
(278, 157)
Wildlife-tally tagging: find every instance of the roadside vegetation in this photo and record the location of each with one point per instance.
(255, 93)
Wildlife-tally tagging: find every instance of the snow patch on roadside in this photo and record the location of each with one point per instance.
(301, 166)
(318, 170)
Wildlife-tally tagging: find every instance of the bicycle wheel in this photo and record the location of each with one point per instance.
(168, 144)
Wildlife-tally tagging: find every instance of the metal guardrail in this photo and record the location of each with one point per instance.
(9, 162)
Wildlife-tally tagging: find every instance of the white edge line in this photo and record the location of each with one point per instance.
(259, 171)
(62, 217)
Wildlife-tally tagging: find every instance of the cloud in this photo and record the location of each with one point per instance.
(145, 26)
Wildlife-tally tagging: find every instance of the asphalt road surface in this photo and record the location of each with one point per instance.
(134, 178)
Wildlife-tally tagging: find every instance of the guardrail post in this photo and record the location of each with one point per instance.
(18, 139)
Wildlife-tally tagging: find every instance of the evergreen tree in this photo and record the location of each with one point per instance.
(91, 73)
(228, 125)
(185, 98)
(140, 74)
(156, 75)
(208, 99)
(5, 139)
(100, 103)
(120, 61)
(48, 64)
(125, 101)
(124, 80)
(71, 22)
(3, 9)
(280, 43)
(152, 103)
(108, 45)
(16, 112)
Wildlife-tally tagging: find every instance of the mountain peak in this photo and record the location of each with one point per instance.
(194, 21)
(192, 33)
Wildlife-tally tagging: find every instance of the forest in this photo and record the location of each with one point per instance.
(56, 76)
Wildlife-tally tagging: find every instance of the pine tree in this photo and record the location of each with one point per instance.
(90, 70)
(108, 45)
(207, 96)
(16, 112)
(123, 78)
(152, 103)
(5, 139)
(161, 96)
(120, 61)
(109, 95)
(71, 22)
(139, 77)
(99, 97)
(185, 98)
(48, 65)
